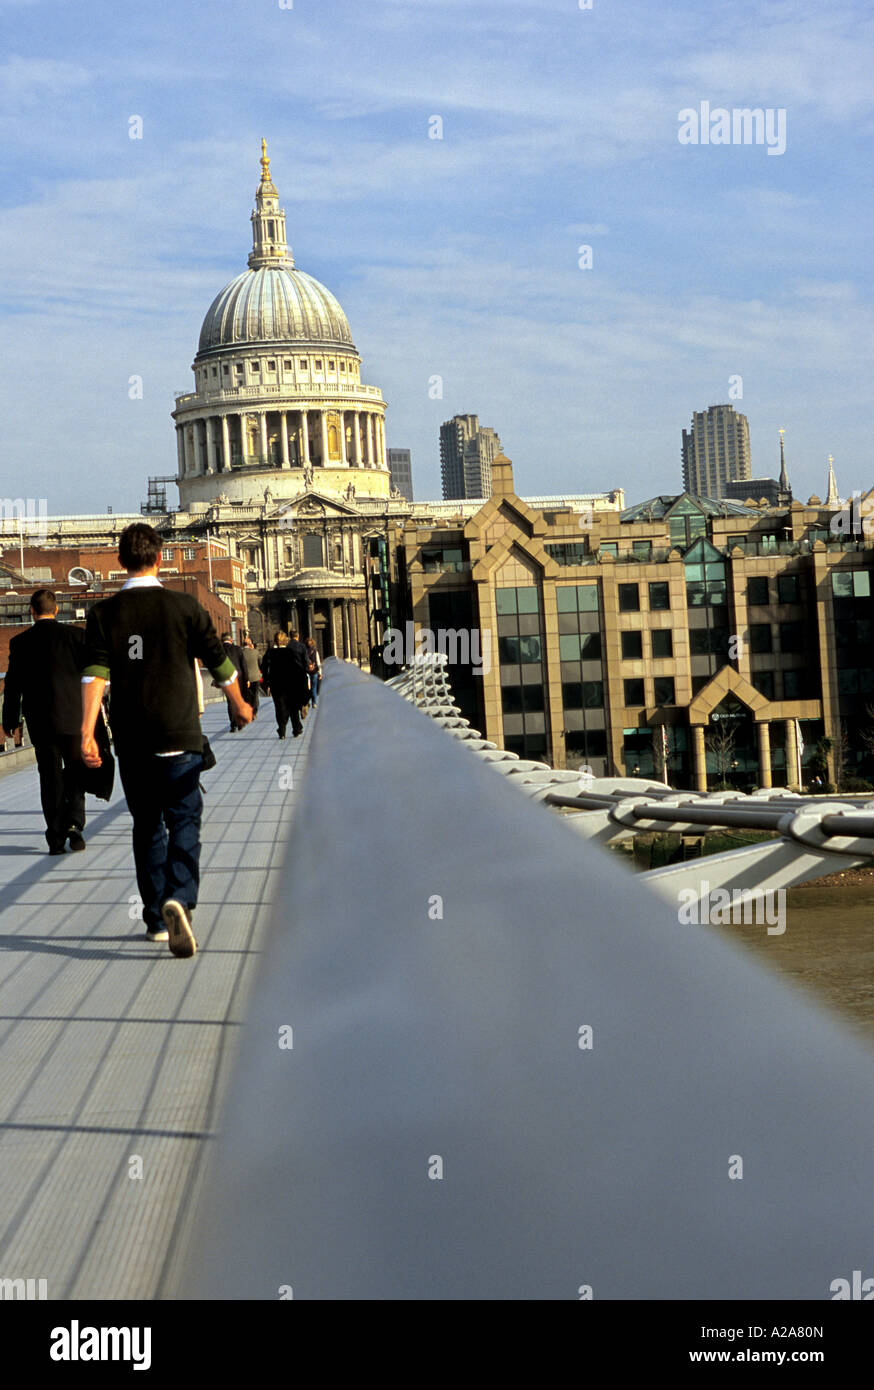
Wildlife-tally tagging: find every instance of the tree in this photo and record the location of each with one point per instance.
(721, 740)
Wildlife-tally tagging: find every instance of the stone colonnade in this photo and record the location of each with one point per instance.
(763, 733)
(344, 630)
(339, 438)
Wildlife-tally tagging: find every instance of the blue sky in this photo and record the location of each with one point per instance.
(455, 257)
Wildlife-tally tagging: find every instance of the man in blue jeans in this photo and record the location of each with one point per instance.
(144, 641)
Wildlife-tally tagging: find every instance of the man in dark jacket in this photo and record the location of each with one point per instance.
(45, 668)
(144, 642)
(235, 656)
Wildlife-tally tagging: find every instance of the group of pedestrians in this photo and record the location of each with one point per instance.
(290, 671)
(144, 644)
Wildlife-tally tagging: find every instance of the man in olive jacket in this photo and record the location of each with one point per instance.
(144, 641)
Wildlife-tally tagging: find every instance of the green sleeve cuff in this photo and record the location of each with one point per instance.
(102, 672)
(225, 671)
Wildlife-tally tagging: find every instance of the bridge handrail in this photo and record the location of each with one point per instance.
(481, 1061)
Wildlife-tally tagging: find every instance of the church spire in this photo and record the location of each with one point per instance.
(784, 476)
(832, 499)
(269, 246)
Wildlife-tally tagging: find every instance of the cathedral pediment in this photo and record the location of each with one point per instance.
(312, 506)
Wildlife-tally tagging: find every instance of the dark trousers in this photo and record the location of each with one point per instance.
(284, 706)
(164, 799)
(61, 786)
(252, 697)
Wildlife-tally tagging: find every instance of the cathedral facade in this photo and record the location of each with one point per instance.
(281, 447)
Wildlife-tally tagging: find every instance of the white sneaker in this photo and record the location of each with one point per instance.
(178, 924)
(157, 934)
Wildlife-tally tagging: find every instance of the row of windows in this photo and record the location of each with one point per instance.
(758, 590)
(629, 597)
(661, 643)
(791, 637)
(662, 689)
(851, 583)
(270, 366)
(188, 553)
(788, 685)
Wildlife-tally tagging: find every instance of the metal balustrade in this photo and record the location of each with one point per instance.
(481, 1061)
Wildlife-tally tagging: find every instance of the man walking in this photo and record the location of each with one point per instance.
(45, 668)
(235, 656)
(252, 672)
(144, 641)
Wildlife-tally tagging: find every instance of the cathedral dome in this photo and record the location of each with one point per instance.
(275, 304)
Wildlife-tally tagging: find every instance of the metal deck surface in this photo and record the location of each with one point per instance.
(112, 1050)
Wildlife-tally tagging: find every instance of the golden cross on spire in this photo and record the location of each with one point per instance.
(265, 162)
(781, 433)
(831, 459)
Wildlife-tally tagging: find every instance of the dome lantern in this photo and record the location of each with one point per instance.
(269, 246)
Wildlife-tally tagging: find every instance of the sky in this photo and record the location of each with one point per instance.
(713, 270)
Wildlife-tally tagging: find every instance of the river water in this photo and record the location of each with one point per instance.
(828, 947)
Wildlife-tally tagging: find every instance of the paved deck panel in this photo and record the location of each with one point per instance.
(111, 1049)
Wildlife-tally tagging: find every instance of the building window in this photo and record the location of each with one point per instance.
(632, 646)
(312, 552)
(287, 363)
(634, 692)
(663, 642)
(764, 683)
(576, 598)
(609, 547)
(760, 637)
(342, 366)
(567, 553)
(238, 368)
(256, 366)
(330, 364)
(787, 588)
(304, 364)
(792, 637)
(318, 364)
(663, 690)
(215, 371)
(190, 553)
(271, 366)
(851, 583)
(642, 549)
(629, 598)
(757, 591)
(225, 369)
(659, 595)
(167, 554)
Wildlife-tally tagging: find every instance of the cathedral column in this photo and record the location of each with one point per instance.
(226, 445)
(382, 458)
(209, 446)
(283, 425)
(305, 437)
(265, 453)
(344, 461)
(311, 618)
(699, 758)
(180, 449)
(356, 441)
(764, 733)
(186, 449)
(368, 420)
(243, 440)
(346, 639)
(324, 419)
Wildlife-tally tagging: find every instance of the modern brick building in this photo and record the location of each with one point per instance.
(695, 639)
